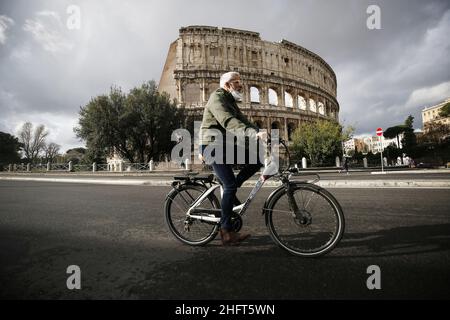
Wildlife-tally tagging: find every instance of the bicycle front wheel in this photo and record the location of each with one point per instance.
(317, 227)
(190, 231)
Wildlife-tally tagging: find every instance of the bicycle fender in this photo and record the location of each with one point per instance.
(293, 183)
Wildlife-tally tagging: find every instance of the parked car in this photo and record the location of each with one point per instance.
(425, 165)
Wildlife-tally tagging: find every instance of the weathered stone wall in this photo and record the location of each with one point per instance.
(284, 83)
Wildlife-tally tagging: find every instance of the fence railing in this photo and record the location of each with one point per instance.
(136, 167)
(81, 167)
(121, 166)
(98, 167)
(102, 167)
(59, 167)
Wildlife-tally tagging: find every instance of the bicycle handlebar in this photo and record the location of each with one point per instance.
(288, 168)
(283, 143)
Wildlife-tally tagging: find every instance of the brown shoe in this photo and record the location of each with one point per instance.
(231, 238)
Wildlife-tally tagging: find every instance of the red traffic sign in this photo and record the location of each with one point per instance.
(379, 132)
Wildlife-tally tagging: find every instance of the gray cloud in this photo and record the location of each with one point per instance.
(48, 30)
(5, 24)
(49, 71)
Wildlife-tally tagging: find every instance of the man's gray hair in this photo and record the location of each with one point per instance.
(226, 77)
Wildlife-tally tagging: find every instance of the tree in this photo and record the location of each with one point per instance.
(94, 155)
(435, 132)
(51, 151)
(318, 140)
(445, 111)
(33, 142)
(151, 119)
(76, 155)
(392, 152)
(138, 126)
(409, 138)
(434, 144)
(394, 132)
(9, 149)
(347, 134)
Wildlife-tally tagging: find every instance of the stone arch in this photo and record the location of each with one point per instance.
(273, 96)
(329, 108)
(320, 108)
(275, 125)
(325, 107)
(332, 112)
(210, 88)
(301, 102)
(288, 100)
(259, 124)
(281, 125)
(255, 94)
(312, 105)
(192, 93)
(290, 130)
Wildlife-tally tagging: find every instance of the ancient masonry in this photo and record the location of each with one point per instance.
(284, 83)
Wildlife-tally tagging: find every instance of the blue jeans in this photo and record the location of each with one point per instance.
(230, 184)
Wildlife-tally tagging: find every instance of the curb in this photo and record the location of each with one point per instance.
(177, 172)
(439, 184)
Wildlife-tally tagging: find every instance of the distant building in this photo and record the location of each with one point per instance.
(431, 114)
(284, 84)
(367, 143)
(377, 147)
(372, 144)
(116, 162)
(349, 145)
(360, 146)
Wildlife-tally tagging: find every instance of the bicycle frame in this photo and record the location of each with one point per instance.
(194, 210)
(240, 209)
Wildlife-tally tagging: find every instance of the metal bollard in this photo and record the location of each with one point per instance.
(304, 163)
(70, 166)
(151, 165)
(187, 164)
(94, 167)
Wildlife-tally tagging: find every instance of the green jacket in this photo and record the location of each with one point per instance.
(223, 114)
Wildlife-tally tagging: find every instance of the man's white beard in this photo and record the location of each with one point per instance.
(237, 95)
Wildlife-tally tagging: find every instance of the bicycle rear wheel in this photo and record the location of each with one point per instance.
(317, 233)
(189, 231)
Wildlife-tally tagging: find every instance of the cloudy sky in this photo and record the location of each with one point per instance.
(48, 69)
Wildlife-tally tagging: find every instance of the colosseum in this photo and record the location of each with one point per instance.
(284, 83)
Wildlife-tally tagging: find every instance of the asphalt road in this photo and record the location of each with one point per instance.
(118, 237)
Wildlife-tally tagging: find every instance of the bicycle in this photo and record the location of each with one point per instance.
(295, 220)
